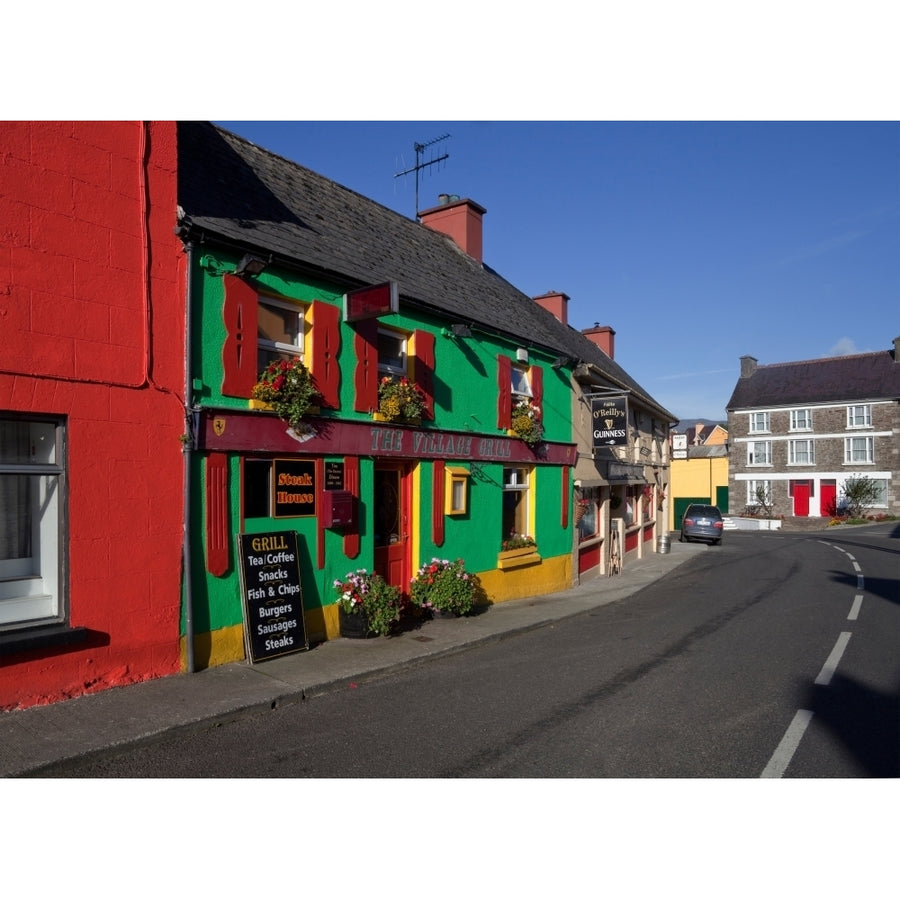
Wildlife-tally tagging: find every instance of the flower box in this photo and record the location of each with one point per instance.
(379, 417)
(261, 404)
(521, 556)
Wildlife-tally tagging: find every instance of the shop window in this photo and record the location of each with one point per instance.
(516, 506)
(32, 483)
(586, 514)
(257, 488)
(457, 490)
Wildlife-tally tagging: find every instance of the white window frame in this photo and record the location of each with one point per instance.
(268, 350)
(758, 419)
(801, 419)
(752, 455)
(795, 446)
(521, 480)
(31, 585)
(386, 366)
(520, 383)
(766, 484)
(869, 444)
(859, 411)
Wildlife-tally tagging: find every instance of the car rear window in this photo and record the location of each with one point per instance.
(704, 511)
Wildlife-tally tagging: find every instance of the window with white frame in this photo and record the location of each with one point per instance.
(859, 450)
(859, 416)
(521, 386)
(280, 330)
(392, 350)
(759, 422)
(759, 492)
(516, 489)
(32, 481)
(801, 420)
(759, 453)
(801, 453)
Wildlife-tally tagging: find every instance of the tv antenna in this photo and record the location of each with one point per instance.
(419, 166)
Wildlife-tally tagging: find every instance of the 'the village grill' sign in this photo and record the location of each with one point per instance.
(609, 417)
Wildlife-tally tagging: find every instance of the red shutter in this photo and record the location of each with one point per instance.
(564, 511)
(504, 391)
(423, 368)
(365, 380)
(326, 341)
(240, 347)
(320, 519)
(217, 514)
(536, 380)
(437, 503)
(351, 483)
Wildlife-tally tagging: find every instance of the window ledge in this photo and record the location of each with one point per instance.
(512, 559)
(37, 638)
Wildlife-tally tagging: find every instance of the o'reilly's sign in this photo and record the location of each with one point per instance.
(609, 416)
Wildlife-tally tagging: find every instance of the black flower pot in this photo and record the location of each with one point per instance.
(354, 625)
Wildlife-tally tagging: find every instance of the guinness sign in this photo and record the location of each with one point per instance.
(609, 418)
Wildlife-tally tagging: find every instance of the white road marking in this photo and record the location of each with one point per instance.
(831, 664)
(784, 752)
(854, 610)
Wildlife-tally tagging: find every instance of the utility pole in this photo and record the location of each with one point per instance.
(420, 151)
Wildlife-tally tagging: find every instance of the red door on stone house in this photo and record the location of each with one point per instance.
(801, 498)
(828, 498)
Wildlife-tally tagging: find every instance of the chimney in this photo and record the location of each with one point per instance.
(748, 366)
(603, 336)
(555, 302)
(460, 220)
(897, 349)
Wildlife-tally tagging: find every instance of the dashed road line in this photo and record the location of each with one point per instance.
(854, 610)
(831, 664)
(784, 752)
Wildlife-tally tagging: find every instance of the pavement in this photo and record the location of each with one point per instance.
(42, 735)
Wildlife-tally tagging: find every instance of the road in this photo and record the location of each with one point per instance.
(772, 655)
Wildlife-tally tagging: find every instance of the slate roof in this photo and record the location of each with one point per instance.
(862, 377)
(245, 195)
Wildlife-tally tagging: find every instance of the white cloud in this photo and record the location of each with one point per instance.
(844, 347)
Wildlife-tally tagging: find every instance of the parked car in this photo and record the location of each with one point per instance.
(702, 522)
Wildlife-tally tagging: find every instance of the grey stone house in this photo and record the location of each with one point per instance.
(801, 430)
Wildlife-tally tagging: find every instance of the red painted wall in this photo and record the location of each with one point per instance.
(92, 326)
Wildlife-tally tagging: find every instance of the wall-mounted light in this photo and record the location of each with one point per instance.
(522, 355)
(567, 361)
(251, 265)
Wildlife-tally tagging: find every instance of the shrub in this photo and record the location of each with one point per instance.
(445, 585)
(369, 593)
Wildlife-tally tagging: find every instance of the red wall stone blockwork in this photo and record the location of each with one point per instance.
(93, 327)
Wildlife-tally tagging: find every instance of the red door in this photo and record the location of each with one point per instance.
(828, 498)
(391, 516)
(801, 498)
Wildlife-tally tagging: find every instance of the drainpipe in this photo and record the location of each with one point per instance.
(187, 448)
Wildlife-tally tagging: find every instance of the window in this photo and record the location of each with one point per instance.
(801, 453)
(759, 493)
(859, 416)
(586, 514)
(455, 495)
(521, 386)
(859, 450)
(759, 422)
(516, 520)
(257, 488)
(32, 483)
(391, 352)
(801, 420)
(280, 329)
(759, 453)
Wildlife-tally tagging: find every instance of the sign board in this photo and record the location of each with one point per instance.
(272, 595)
(609, 419)
(334, 476)
(679, 446)
(293, 487)
(372, 302)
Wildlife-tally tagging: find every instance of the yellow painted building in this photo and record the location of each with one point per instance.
(701, 478)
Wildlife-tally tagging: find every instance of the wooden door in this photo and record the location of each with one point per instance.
(392, 522)
(828, 498)
(801, 498)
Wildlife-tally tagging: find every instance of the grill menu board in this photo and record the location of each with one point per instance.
(273, 597)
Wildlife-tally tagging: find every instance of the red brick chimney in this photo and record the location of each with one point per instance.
(604, 337)
(555, 302)
(460, 220)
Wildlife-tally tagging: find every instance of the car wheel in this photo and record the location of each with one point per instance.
(717, 541)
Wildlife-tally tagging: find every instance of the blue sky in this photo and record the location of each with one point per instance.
(698, 242)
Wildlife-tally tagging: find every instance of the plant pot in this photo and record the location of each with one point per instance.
(354, 625)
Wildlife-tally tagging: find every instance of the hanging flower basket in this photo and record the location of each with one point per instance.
(400, 399)
(287, 387)
(527, 421)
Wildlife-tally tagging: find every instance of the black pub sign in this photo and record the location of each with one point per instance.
(293, 488)
(609, 419)
(273, 598)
